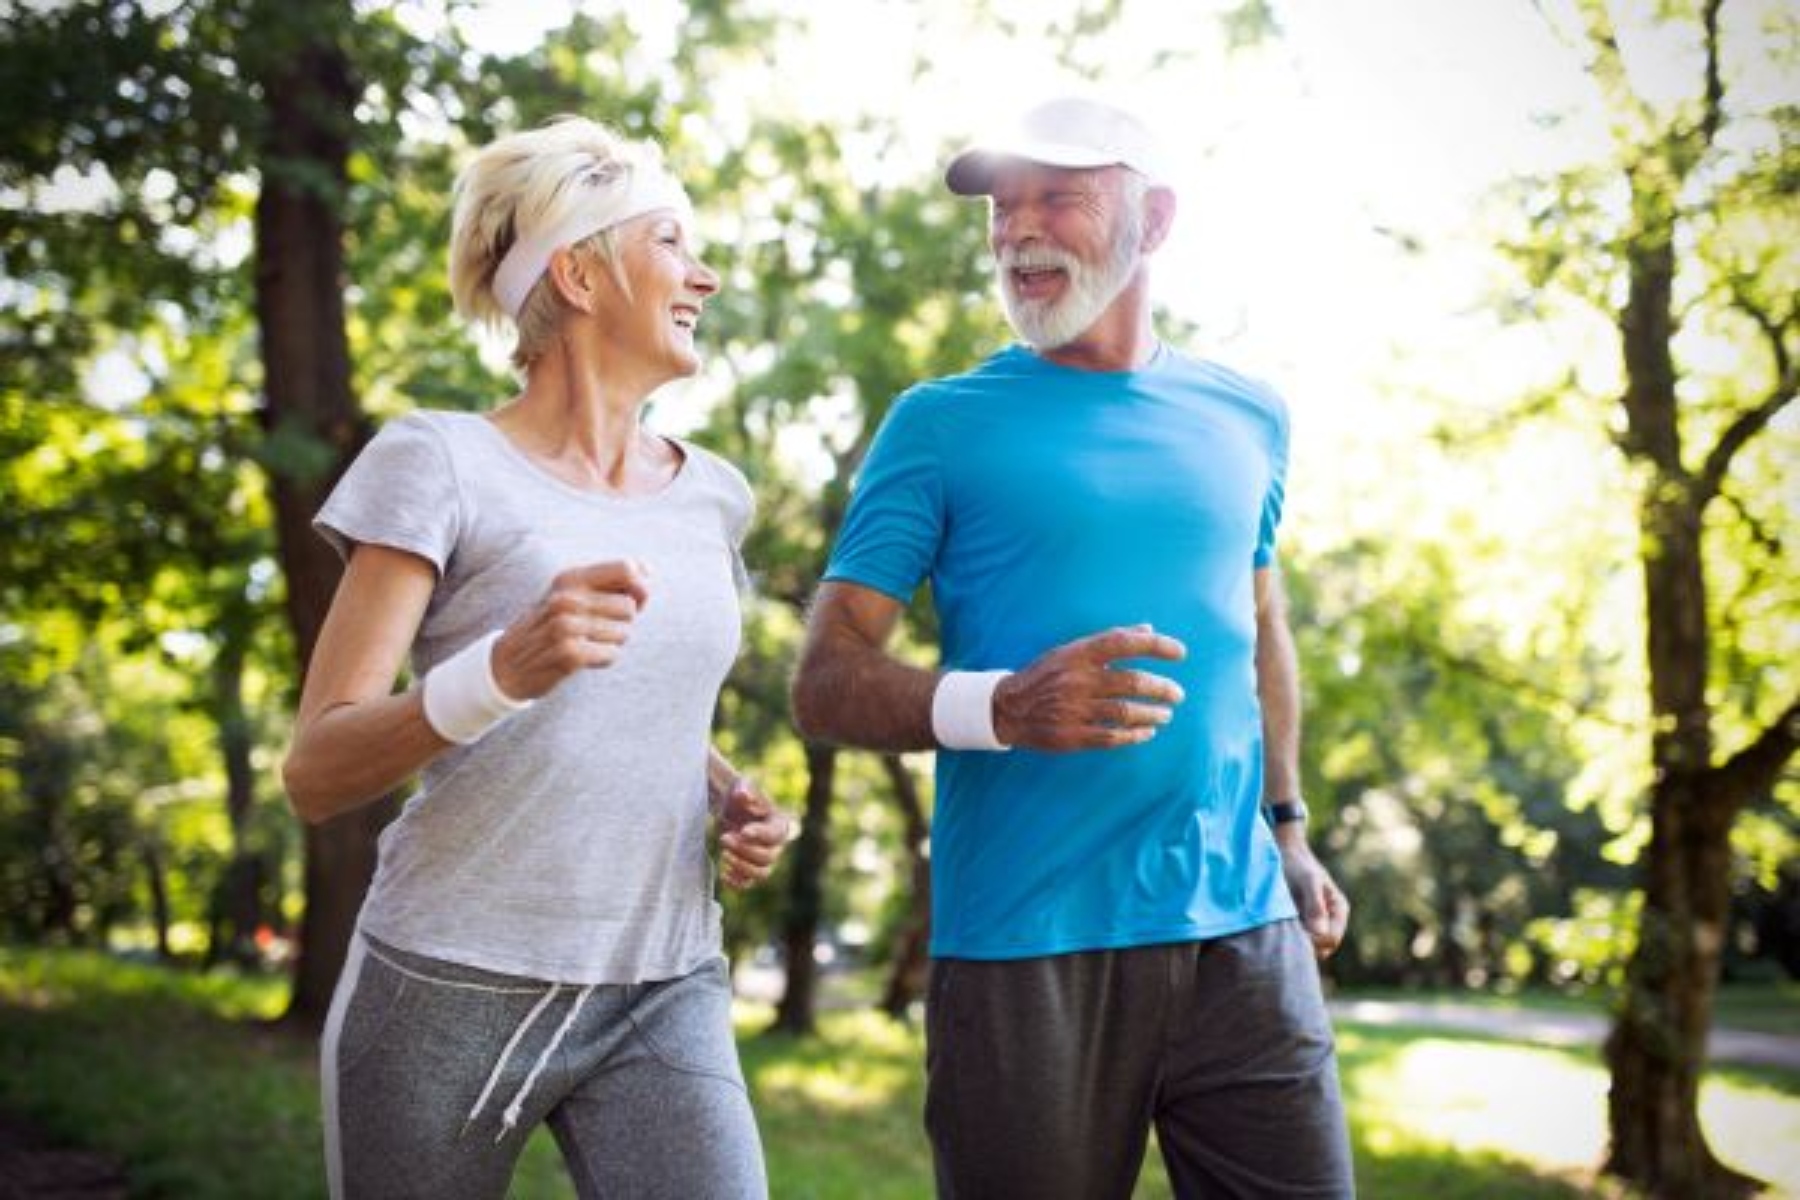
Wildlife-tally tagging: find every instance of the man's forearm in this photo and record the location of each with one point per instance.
(1280, 694)
(1278, 690)
(854, 694)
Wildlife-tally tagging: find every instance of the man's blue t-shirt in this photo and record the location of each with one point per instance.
(1044, 504)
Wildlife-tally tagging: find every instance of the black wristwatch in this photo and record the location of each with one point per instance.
(1284, 812)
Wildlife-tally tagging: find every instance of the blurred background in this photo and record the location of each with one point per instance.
(1525, 272)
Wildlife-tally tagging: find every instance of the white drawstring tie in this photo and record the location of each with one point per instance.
(509, 1117)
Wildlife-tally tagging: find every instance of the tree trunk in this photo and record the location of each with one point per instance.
(240, 902)
(1450, 965)
(159, 899)
(61, 898)
(1657, 1048)
(911, 958)
(798, 1011)
(311, 416)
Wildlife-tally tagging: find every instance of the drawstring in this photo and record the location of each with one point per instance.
(510, 1117)
(511, 1045)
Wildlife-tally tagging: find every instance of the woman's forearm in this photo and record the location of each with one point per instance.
(353, 754)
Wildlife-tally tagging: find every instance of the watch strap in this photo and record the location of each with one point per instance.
(1285, 812)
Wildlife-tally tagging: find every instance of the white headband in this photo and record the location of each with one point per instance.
(647, 189)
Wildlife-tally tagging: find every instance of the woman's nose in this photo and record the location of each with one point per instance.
(703, 279)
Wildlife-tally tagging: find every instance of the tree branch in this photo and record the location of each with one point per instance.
(1569, 708)
(1712, 115)
(1751, 422)
(1760, 534)
(1736, 436)
(1607, 66)
(1754, 769)
(1772, 329)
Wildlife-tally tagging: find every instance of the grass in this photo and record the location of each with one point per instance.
(177, 1075)
(169, 1071)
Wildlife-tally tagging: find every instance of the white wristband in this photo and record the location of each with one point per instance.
(462, 699)
(962, 710)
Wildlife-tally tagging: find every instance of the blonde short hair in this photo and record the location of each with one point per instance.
(522, 183)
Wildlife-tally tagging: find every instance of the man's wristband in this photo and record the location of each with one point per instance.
(462, 698)
(962, 710)
(1285, 812)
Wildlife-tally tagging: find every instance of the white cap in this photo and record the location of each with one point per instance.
(1067, 132)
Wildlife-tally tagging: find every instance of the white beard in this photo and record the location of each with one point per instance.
(1047, 324)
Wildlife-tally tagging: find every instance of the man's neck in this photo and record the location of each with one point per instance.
(1121, 339)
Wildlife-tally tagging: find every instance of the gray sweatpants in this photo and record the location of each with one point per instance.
(434, 1074)
(1046, 1074)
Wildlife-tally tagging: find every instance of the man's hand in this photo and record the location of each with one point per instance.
(1072, 698)
(752, 834)
(1324, 909)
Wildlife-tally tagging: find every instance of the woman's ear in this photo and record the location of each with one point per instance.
(574, 278)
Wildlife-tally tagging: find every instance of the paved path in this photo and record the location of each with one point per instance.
(1559, 1029)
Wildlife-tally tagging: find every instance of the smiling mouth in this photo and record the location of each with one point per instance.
(686, 317)
(1031, 281)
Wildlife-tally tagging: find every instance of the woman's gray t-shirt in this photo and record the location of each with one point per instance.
(569, 842)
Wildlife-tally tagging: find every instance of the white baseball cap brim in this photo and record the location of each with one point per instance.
(1072, 133)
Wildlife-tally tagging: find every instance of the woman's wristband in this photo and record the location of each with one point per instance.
(962, 710)
(462, 698)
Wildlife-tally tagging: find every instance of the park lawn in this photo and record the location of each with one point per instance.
(176, 1074)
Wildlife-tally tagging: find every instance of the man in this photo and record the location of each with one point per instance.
(1120, 851)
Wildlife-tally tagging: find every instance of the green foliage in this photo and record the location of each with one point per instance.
(106, 781)
(1250, 24)
(1442, 782)
(1588, 946)
(135, 555)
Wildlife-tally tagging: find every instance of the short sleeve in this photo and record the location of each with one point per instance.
(1275, 495)
(400, 491)
(891, 533)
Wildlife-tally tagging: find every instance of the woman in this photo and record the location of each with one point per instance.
(540, 942)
